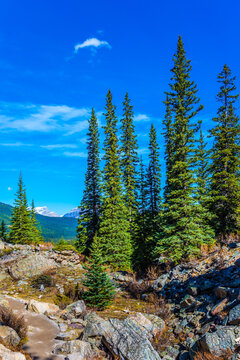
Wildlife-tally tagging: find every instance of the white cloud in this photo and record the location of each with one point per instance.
(75, 154)
(93, 42)
(59, 146)
(43, 118)
(141, 117)
(9, 188)
(16, 144)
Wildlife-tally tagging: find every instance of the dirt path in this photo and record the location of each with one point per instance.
(42, 332)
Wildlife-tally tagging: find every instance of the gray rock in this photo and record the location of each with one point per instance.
(31, 265)
(160, 282)
(76, 309)
(9, 336)
(69, 335)
(219, 341)
(82, 348)
(234, 316)
(125, 338)
(6, 354)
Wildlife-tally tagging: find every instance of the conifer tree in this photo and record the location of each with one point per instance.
(3, 231)
(168, 136)
(88, 221)
(21, 222)
(202, 172)
(114, 237)
(154, 174)
(225, 187)
(129, 158)
(36, 231)
(100, 293)
(182, 233)
(142, 251)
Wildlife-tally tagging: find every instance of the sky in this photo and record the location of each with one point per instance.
(59, 58)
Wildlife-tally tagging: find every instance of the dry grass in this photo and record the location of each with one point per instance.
(153, 273)
(158, 306)
(203, 355)
(136, 289)
(8, 318)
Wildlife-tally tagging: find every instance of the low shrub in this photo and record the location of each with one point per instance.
(64, 245)
(8, 318)
(47, 280)
(136, 289)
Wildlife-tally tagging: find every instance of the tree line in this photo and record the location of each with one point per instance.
(127, 218)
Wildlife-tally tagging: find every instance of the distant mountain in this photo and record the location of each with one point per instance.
(43, 210)
(53, 228)
(74, 213)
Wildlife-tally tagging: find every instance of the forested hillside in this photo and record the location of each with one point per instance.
(53, 228)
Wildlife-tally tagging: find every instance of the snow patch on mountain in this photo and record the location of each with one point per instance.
(43, 210)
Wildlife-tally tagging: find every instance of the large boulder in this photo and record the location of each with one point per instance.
(76, 309)
(219, 342)
(6, 354)
(30, 266)
(79, 347)
(234, 316)
(42, 307)
(153, 324)
(124, 339)
(9, 336)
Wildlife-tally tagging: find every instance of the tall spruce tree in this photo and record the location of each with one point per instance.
(225, 167)
(129, 159)
(3, 231)
(142, 255)
(181, 233)
(114, 237)
(21, 222)
(36, 230)
(88, 222)
(168, 134)
(154, 174)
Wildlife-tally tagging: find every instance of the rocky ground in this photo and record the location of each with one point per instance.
(191, 311)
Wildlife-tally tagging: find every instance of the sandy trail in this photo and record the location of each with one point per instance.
(41, 335)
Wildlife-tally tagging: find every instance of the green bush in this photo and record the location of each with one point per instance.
(64, 245)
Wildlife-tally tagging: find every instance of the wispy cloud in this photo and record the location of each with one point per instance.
(59, 146)
(141, 117)
(75, 154)
(43, 118)
(93, 43)
(16, 144)
(143, 151)
(9, 188)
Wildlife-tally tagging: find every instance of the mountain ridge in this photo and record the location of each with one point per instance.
(53, 228)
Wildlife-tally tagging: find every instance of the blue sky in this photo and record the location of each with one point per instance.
(59, 58)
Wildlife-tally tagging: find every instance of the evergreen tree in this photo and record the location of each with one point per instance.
(225, 187)
(202, 173)
(3, 231)
(88, 221)
(36, 231)
(154, 174)
(181, 232)
(168, 136)
(21, 222)
(142, 255)
(100, 293)
(114, 237)
(129, 158)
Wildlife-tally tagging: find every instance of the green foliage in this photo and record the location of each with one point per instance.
(3, 231)
(225, 187)
(129, 159)
(114, 236)
(182, 229)
(64, 245)
(46, 280)
(22, 228)
(53, 228)
(36, 230)
(88, 222)
(154, 174)
(101, 291)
